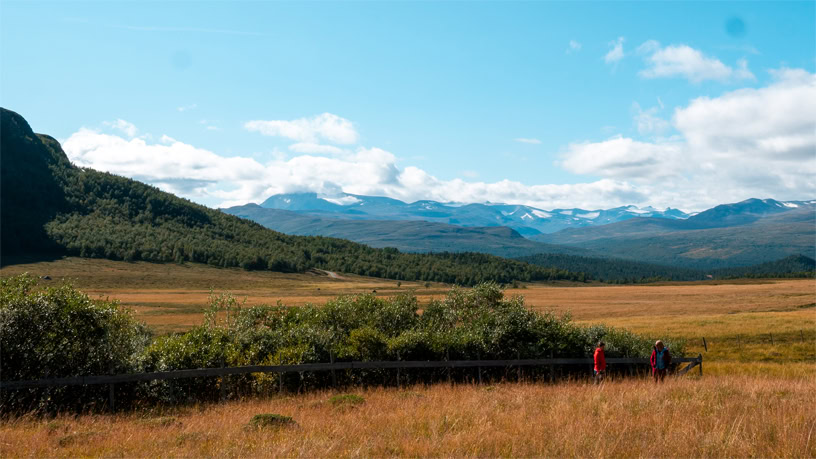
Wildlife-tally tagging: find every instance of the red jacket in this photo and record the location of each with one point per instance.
(600, 360)
(666, 358)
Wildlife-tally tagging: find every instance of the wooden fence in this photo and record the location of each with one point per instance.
(333, 366)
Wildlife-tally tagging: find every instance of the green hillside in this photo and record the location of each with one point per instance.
(620, 271)
(51, 207)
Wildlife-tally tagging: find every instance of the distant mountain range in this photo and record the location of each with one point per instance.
(740, 234)
(526, 220)
(730, 235)
(407, 236)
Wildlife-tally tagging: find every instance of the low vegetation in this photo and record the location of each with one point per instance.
(467, 324)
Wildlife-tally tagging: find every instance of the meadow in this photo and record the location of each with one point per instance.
(728, 416)
(755, 398)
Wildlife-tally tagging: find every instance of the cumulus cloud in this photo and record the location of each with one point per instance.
(126, 127)
(171, 164)
(573, 47)
(615, 52)
(326, 126)
(206, 177)
(745, 143)
(689, 63)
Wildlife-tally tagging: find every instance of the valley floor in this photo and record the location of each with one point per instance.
(754, 399)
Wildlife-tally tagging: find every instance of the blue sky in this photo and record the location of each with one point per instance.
(554, 104)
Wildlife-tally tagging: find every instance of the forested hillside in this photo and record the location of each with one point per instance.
(50, 206)
(619, 271)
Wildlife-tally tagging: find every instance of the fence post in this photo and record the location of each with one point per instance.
(705, 345)
(111, 395)
(700, 359)
(447, 359)
(772, 341)
(223, 381)
(802, 334)
(334, 376)
(518, 369)
(398, 370)
(479, 357)
(552, 368)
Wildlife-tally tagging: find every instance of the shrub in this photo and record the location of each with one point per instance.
(59, 332)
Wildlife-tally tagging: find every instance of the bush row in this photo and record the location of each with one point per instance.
(59, 331)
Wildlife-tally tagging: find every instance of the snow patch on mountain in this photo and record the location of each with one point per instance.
(340, 201)
(541, 214)
(589, 215)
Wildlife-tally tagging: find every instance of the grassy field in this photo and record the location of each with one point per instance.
(755, 398)
(726, 416)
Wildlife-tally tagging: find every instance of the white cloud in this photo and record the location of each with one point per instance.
(616, 52)
(185, 108)
(326, 126)
(623, 158)
(123, 126)
(174, 166)
(471, 174)
(307, 147)
(574, 46)
(689, 63)
(528, 140)
(745, 143)
(777, 122)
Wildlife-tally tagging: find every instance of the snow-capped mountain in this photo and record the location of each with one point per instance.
(526, 220)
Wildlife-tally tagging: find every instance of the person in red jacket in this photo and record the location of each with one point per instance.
(660, 360)
(600, 362)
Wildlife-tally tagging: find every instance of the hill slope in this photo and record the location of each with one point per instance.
(407, 236)
(48, 205)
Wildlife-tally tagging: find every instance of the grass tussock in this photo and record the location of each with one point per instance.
(713, 416)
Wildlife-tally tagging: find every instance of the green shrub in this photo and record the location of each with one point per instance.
(59, 332)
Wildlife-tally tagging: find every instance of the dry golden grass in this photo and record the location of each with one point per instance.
(715, 416)
(755, 399)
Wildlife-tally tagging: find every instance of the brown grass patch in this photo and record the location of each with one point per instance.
(715, 416)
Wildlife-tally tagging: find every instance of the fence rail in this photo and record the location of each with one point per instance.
(312, 367)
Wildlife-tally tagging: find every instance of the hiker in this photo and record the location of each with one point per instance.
(660, 361)
(600, 362)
